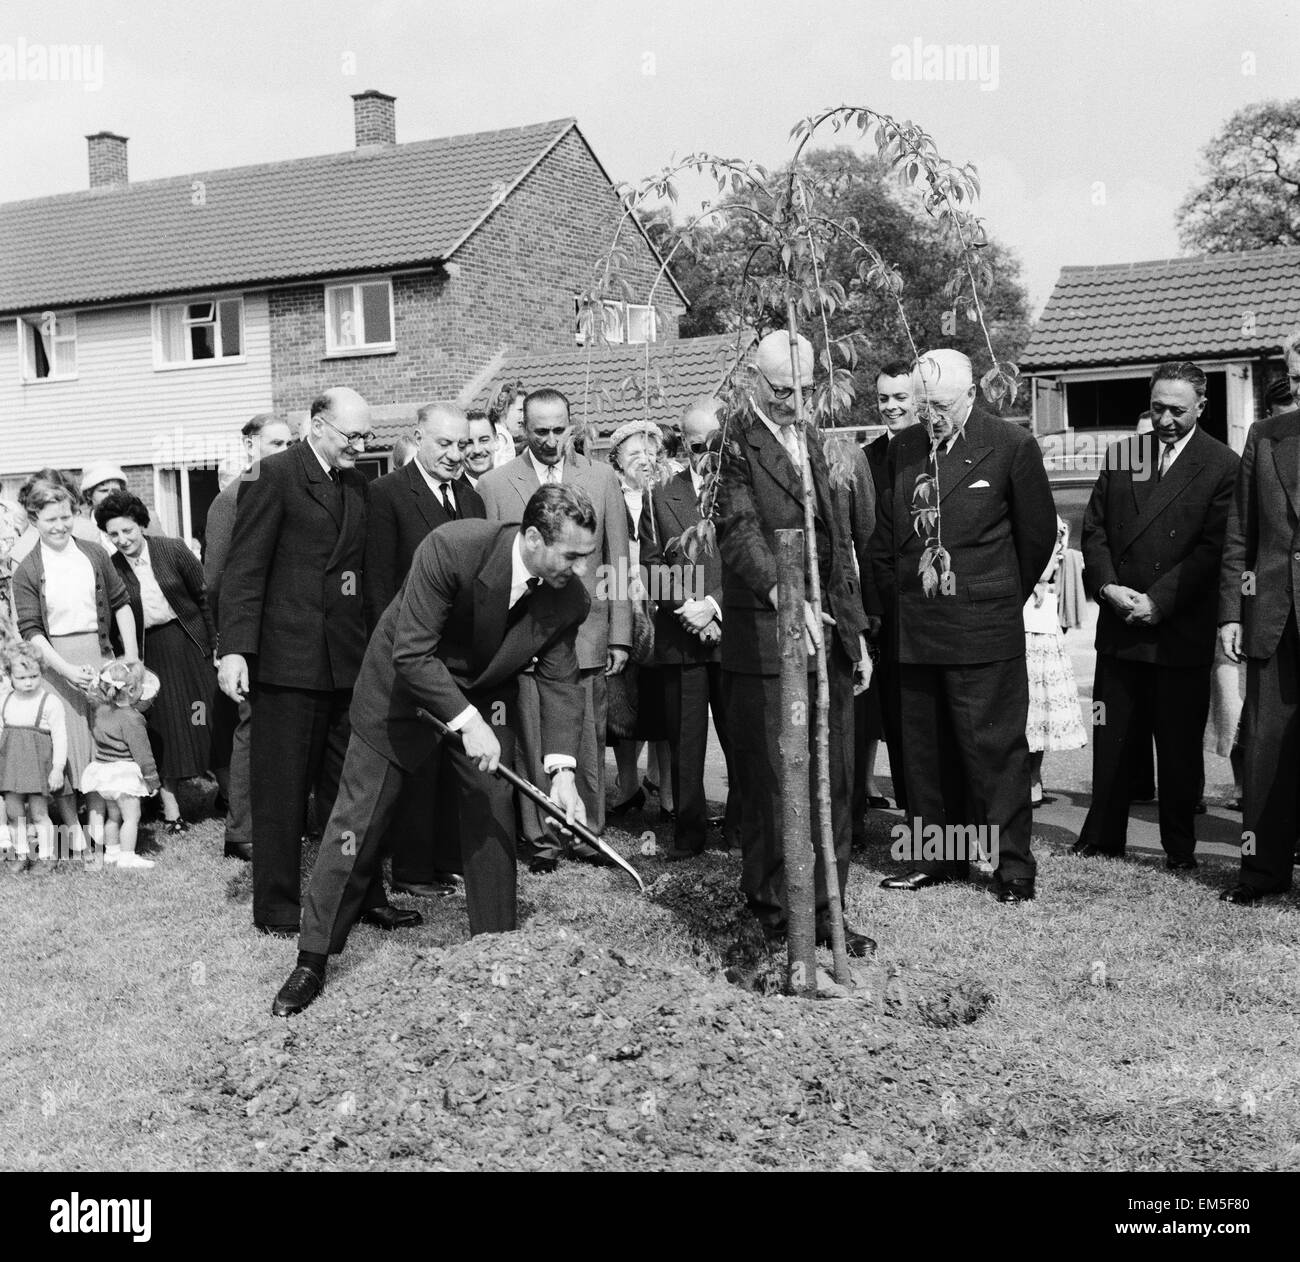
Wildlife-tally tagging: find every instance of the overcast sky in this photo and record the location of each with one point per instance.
(1086, 139)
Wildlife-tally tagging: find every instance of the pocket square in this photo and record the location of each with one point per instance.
(975, 486)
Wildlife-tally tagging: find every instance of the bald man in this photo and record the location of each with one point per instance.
(963, 690)
(761, 491)
(293, 633)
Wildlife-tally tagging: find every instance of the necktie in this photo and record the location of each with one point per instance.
(552, 473)
(790, 441)
(1166, 455)
(520, 607)
(448, 501)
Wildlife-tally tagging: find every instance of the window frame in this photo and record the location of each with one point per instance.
(162, 364)
(333, 351)
(27, 327)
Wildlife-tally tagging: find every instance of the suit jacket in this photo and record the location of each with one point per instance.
(444, 645)
(998, 523)
(1164, 538)
(855, 502)
(291, 594)
(760, 492)
(668, 511)
(217, 530)
(877, 454)
(402, 511)
(1260, 577)
(506, 492)
(178, 574)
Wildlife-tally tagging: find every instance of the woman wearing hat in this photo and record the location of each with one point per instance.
(98, 481)
(72, 606)
(174, 625)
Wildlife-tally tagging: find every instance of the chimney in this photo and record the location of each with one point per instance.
(375, 117)
(107, 159)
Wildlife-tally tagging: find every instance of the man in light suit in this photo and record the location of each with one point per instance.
(405, 505)
(1259, 602)
(688, 628)
(293, 633)
(963, 689)
(761, 491)
(605, 637)
(482, 601)
(1152, 546)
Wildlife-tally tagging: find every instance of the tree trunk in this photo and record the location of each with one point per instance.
(792, 747)
(825, 839)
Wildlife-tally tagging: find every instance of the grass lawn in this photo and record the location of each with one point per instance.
(1135, 1023)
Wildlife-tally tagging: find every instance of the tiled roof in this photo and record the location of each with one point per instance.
(370, 208)
(1210, 305)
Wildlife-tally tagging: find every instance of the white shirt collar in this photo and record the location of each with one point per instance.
(777, 431)
(142, 561)
(697, 480)
(434, 484)
(520, 574)
(540, 469)
(324, 464)
(1177, 446)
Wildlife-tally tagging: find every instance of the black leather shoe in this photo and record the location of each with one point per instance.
(1089, 851)
(542, 866)
(390, 918)
(1179, 865)
(298, 992)
(421, 889)
(1018, 891)
(277, 931)
(582, 853)
(238, 850)
(175, 827)
(856, 944)
(634, 803)
(1242, 895)
(912, 881)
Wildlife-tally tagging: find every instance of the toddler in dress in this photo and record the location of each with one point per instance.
(123, 770)
(33, 751)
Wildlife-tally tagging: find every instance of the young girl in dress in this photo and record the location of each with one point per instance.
(123, 769)
(1054, 721)
(33, 750)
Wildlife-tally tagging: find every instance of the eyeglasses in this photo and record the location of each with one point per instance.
(698, 448)
(780, 393)
(349, 440)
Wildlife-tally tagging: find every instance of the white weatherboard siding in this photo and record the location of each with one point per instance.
(120, 407)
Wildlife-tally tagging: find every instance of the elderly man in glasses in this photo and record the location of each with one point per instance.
(293, 633)
(761, 491)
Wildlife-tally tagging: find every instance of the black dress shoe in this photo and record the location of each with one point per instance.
(220, 806)
(1046, 800)
(541, 866)
(277, 931)
(582, 853)
(298, 992)
(238, 850)
(856, 944)
(1018, 891)
(174, 827)
(1242, 895)
(634, 803)
(879, 803)
(1179, 865)
(390, 918)
(912, 881)
(420, 889)
(675, 854)
(1089, 851)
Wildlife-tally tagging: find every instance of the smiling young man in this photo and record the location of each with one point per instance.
(483, 601)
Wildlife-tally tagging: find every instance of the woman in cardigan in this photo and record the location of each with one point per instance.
(165, 583)
(72, 606)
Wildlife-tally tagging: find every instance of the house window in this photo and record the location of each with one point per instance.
(623, 322)
(359, 318)
(199, 332)
(49, 346)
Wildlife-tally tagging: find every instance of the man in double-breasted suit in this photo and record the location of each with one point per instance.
(687, 599)
(293, 631)
(481, 602)
(605, 637)
(1259, 601)
(1152, 546)
(405, 506)
(963, 690)
(761, 491)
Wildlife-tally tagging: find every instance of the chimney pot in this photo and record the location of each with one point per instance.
(107, 159)
(375, 116)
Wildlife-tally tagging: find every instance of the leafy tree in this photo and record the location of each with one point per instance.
(1249, 198)
(715, 258)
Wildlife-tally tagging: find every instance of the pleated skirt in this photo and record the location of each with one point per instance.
(178, 719)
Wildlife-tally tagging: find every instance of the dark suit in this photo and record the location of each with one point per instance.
(760, 492)
(403, 510)
(691, 670)
(1163, 537)
(883, 693)
(291, 604)
(963, 690)
(1260, 588)
(446, 644)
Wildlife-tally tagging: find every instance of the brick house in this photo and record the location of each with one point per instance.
(145, 322)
